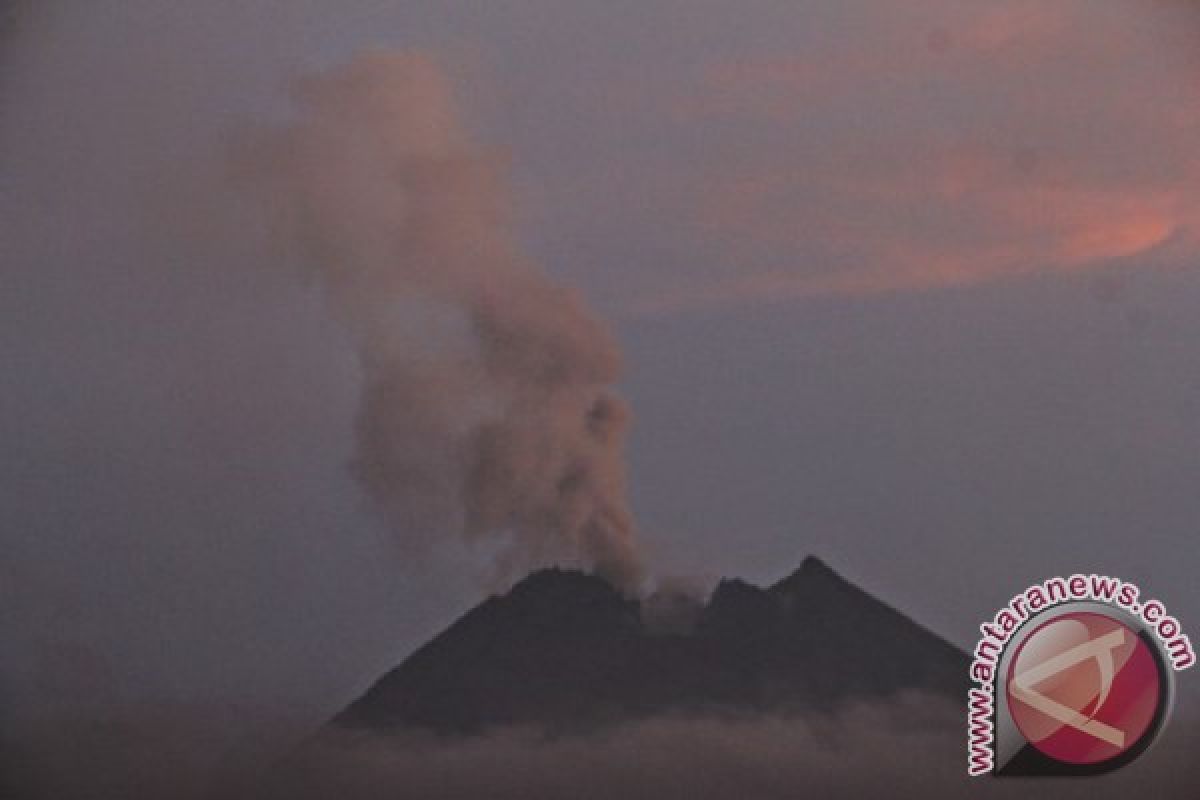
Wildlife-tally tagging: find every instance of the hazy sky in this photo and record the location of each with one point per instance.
(909, 285)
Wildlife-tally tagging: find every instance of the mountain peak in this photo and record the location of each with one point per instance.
(813, 564)
(812, 572)
(815, 585)
(559, 580)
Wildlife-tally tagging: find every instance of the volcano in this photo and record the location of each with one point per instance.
(563, 650)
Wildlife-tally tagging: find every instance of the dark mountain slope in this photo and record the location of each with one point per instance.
(564, 650)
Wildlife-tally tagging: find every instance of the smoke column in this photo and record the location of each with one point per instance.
(487, 405)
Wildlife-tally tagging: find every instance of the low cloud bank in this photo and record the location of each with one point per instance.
(912, 748)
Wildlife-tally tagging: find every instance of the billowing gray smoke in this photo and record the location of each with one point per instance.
(487, 400)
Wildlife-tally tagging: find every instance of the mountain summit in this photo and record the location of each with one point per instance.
(564, 650)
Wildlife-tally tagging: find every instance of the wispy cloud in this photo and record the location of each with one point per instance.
(949, 144)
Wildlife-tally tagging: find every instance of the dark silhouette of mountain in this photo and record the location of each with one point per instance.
(564, 650)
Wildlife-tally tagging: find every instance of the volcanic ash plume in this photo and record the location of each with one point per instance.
(487, 403)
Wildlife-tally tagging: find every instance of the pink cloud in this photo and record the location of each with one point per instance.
(952, 145)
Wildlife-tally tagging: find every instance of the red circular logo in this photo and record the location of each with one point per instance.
(1084, 688)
